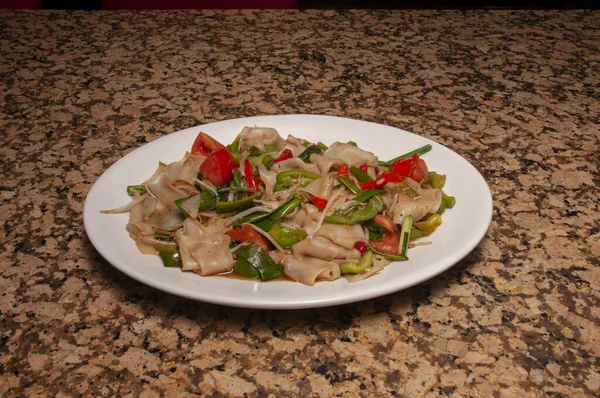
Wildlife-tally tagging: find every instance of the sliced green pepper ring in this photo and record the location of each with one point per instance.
(374, 206)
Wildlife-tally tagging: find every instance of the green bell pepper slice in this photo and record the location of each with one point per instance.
(245, 269)
(366, 261)
(374, 206)
(259, 259)
(436, 180)
(286, 179)
(132, 189)
(430, 224)
(169, 255)
(287, 237)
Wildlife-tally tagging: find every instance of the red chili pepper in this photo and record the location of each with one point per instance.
(252, 181)
(381, 181)
(361, 247)
(286, 154)
(364, 168)
(343, 170)
(319, 202)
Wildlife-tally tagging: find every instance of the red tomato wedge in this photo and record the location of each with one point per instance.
(205, 145)
(413, 167)
(390, 241)
(218, 167)
(246, 233)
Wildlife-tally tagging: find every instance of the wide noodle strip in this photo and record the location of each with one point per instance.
(265, 206)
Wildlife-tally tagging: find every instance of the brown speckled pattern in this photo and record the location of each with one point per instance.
(516, 93)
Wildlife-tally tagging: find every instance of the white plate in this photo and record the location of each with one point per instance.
(462, 228)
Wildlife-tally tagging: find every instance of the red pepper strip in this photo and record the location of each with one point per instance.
(364, 168)
(319, 202)
(286, 154)
(343, 170)
(252, 181)
(361, 247)
(381, 181)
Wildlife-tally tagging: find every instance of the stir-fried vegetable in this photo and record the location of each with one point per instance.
(254, 208)
(253, 262)
(373, 207)
(287, 237)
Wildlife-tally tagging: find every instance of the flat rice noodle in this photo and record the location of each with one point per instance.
(137, 226)
(428, 202)
(350, 154)
(321, 187)
(269, 177)
(296, 145)
(294, 164)
(323, 248)
(308, 270)
(165, 190)
(259, 137)
(307, 218)
(142, 210)
(167, 219)
(343, 235)
(202, 250)
(185, 170)
(324, 163)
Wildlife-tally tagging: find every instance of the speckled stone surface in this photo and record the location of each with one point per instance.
(515, 93)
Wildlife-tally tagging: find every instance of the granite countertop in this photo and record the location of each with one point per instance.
(514, 92)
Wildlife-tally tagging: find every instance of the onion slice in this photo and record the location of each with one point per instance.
(126, 207)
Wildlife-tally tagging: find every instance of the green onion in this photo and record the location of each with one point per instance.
(363, 196)
(394, 257)
(313, 149)
(360, 175)
(419, 151)
(267, 221)
(348, 183)
(237, 205)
